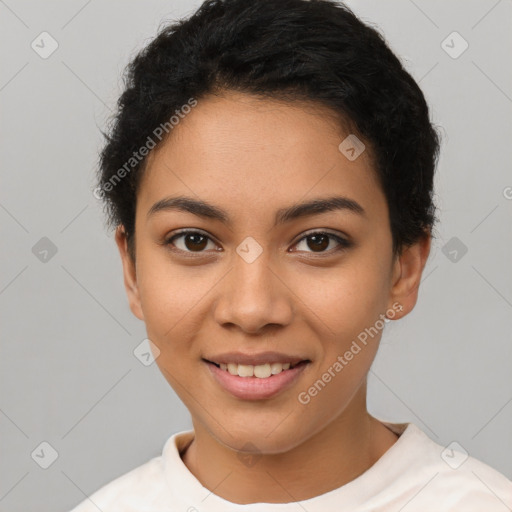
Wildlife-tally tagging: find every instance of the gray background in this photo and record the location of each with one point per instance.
(68, 373)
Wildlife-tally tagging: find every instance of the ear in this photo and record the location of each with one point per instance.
(129, 273)
(407, 270)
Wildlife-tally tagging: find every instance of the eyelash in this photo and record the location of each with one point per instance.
(343, 243)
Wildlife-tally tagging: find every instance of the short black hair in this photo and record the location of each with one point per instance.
(313, 50)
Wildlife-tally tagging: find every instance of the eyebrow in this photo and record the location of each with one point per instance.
(209, 211)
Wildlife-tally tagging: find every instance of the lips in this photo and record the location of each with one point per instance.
(253, 387)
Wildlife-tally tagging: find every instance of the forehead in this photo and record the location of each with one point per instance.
(248, 154)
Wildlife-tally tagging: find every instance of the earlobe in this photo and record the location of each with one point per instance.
(407, 274)
(129, 273)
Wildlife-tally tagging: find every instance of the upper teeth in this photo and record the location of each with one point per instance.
(261, 370)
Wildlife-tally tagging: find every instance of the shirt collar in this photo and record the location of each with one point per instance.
(188, 492)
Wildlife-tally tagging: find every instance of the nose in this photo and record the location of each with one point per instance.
(252, 296)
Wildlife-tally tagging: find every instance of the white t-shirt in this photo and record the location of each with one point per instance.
(414, 475)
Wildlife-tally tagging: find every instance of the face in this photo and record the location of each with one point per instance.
(252, 275)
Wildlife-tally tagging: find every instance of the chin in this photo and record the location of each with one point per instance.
(256, 440)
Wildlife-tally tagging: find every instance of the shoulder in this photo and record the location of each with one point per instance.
(128, 492)
(472, 487)
(143, 486)
(448, 479)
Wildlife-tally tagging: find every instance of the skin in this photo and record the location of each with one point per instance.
(252, 157)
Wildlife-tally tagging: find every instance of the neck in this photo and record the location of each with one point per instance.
(332, 457)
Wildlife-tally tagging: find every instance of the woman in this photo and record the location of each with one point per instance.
(270, 177)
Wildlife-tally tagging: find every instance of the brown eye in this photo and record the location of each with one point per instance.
(319, 242)
(190, 241)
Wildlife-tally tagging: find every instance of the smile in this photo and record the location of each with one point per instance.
(256, 382)
(261, 371)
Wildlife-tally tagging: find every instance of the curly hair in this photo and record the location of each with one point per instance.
(313, 50)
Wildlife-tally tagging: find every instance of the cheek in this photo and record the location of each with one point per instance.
(169, 295)
(162, 303)
(344, 301)
(175, 302)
